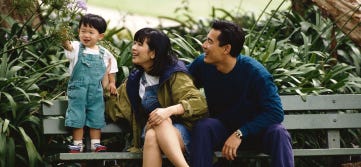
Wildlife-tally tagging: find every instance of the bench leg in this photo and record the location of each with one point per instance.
(111, 163)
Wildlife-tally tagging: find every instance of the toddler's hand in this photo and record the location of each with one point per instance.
(112, 88)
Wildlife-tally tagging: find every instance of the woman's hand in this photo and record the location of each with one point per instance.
(158, 115)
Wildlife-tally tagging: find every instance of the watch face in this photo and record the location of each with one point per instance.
(238, 134)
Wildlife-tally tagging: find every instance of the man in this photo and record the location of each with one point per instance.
(243, 101)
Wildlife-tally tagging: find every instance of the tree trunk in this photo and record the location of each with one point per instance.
(18, 11)
(300, 6)
(346, 14)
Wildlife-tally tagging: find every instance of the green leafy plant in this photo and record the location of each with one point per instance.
(32, 71)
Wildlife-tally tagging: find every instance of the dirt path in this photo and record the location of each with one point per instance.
(131, 21)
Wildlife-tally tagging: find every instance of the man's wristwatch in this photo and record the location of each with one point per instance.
(238, 133)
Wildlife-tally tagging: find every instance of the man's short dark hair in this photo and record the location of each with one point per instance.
(231, 34)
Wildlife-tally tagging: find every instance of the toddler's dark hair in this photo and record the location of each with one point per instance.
(94, 21)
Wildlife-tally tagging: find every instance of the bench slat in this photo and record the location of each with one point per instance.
(302, 121)
(304, 152)
(322, 121)
(321, 102)
(56, 126)
(327, 152)
(57, 108)
(95, 156)
(246, 154)
(289, 102)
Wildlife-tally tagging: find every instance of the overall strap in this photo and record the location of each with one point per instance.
(101, 51)
(81, 48)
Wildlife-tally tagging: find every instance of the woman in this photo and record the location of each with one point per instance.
(159, 99)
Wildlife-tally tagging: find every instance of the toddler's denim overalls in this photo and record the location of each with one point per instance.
(85, 91)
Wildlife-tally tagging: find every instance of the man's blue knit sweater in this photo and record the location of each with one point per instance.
(245, 98)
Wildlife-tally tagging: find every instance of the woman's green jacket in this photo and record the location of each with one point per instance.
(177, 89)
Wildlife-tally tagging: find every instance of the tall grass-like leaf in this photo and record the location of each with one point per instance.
(336, 71)
(26, 95)
(356, 134)
(124, 59)
(11, 101)
(4, 125)
(13, 70)
(351, 55)
(31, 120)
(4, 66)
(305, 47)
(29, 83)
(125, 56)
(3, 136)
(187, 46)
(2, 149)
(125, 71)
(178, 21)
(11, 154)
(260, 16)
(33, 154)
(264, 28)
(270, 49)
(246, 50)
(285, 60)
(226, 14)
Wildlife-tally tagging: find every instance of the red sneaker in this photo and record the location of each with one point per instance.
(100, 148)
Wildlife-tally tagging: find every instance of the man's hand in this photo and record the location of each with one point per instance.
(229, 150)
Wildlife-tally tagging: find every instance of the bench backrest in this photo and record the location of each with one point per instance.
(331, 105)
(53, 121)
(331, 112)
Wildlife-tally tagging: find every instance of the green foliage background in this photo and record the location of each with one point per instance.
(199, 8)
(33, 69)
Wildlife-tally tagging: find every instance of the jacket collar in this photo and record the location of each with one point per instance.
(134, 78)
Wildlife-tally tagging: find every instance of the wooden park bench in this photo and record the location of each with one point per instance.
(331, 113)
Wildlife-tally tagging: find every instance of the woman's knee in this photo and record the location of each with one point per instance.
(150, 137)
(163, 125)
